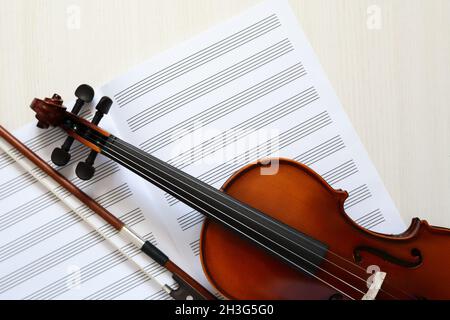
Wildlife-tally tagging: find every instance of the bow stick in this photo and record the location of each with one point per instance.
(188, 288)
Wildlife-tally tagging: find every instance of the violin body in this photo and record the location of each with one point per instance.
(282, 236)
(417, 261)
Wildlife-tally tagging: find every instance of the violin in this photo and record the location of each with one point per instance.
(283, 235)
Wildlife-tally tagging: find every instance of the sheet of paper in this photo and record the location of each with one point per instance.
(245, 90)
(248, 89)
(48, 252)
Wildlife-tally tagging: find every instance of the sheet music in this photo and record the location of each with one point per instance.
(48, 252)
(248, 89)
(245, 90)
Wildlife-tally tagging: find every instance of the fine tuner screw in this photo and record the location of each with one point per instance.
(85, 94)
(85, 170)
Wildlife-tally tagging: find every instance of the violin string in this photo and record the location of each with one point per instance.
(268, 248)
(386, 281)
(109, 150)
(118, 141)
(52, 186)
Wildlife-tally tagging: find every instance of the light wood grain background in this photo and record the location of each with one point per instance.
(394, 80)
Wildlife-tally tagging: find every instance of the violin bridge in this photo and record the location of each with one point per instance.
(377, 282)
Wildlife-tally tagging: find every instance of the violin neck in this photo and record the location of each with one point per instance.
(270, 234)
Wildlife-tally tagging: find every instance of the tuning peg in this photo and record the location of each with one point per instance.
(85, 94)
(42, 125)
(85, 170)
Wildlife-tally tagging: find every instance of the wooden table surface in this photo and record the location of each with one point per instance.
(389, 61)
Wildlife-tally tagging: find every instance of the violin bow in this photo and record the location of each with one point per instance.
(188, 287)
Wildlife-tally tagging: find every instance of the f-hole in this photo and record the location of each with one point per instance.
(415, 253)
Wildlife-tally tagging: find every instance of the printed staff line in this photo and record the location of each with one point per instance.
(133, 282)
(270, 115)
(291, 136)
(21, 213)
(195, 247)
(189, 127)
(60, 286)
(5, 161)
(190, 219)
(357, 198)
(18, 183)
(257, 24)
(371, 219)
(40, 141)
(77, 154)
(215, 78)
(322, 151)
(340, 172)
(165, 107)
(37, 205)
(206, 86)
(127, 283)
(103, 171)
(149, 87)
(106, 172)
(357, 195)
(161, 294)
(288, 137)
(246, 128)
(70, 251)
(223, 108)
(89, 271)
(152, 84)
(375, 223)
(30, 208)
(210, 84)
(305, 128)
(185, 217)
(225, 170)
(369, 215)
(57, 225)
(16, 278)
(135, 219)
(57, 256)
(57, 135)
(138, 279)
(193, 217)
(48, 137)
(219, 172)
(44, 139)
(343, 174)
(228, 168)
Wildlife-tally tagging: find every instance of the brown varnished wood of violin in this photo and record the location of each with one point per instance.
(283, 235)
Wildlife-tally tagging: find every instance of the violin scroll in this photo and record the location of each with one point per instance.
(49, 112)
